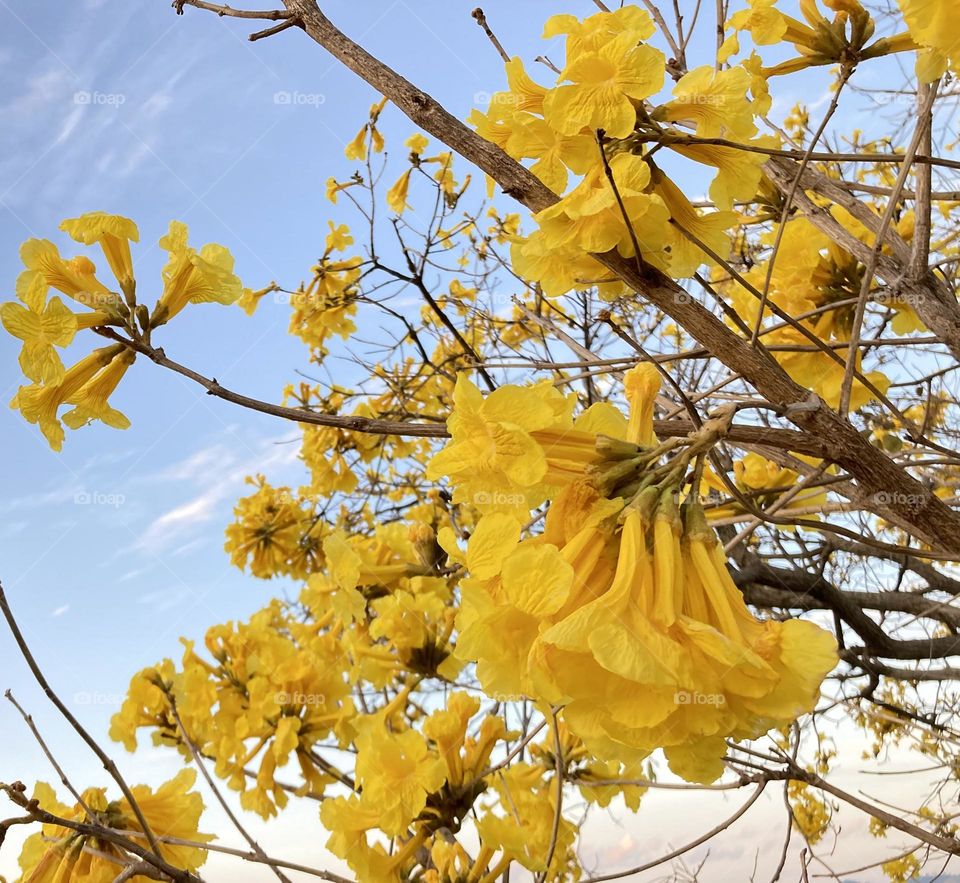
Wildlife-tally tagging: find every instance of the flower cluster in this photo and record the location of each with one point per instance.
(622, 611)
(595, 123)
(60, 854)
(48, 325)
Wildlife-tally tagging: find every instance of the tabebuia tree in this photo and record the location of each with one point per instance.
(656, 486)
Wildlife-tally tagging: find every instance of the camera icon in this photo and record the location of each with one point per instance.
(282, 98)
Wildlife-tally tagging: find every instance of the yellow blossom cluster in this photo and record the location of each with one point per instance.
(46, 325)
(622, 610)
(595, 124)
(817, 282)
(275, 533)
(60, 854)
(298, 687)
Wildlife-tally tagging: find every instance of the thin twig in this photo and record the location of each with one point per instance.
(108, 764)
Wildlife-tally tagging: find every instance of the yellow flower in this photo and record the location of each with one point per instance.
(932, 24)
(42, 328)
(447, 728)
(558, 269)
(623, 612)
(349, 819)
(534, 138)
(334, 187)
(250, 299)
(591, 217)
(641, 385)
(75, 277)
(60, 855)
(91, 399)
(39, 404)
(710, 228)
(114, 234)
(714, 101)
(523, 829)
(325, 306)
(529, 95)
(767, 24)
(397, 194)
(357, 148)
(604, 82)
(493, 457)
(194, 277)
(498, 626)
(739, 170)
(272, 534)
(174, 810)
(811, 814)
(417, 143)
(397, 771)
(595, 31)
(499, 120)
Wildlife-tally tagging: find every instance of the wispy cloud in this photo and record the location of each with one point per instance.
(221, 474)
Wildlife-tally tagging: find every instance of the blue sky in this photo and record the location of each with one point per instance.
(112, 549)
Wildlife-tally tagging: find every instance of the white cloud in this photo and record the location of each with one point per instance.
(52, 85)
(222, 478)
(174, 522)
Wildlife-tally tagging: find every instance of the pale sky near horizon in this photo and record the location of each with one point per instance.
(112, 549)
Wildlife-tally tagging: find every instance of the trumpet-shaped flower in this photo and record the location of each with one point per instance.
(192, 276)
(623, 613)
(61, 855)
(739, 170)
(42, 331)
(76, 277)
(397, 772)
(690, 227)
(591, 216)
(494, 459)
(39, 404)
(604, 82)
(715, 102)
(592, 33)
(114, 234)
(932, 24)
(91, 399)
